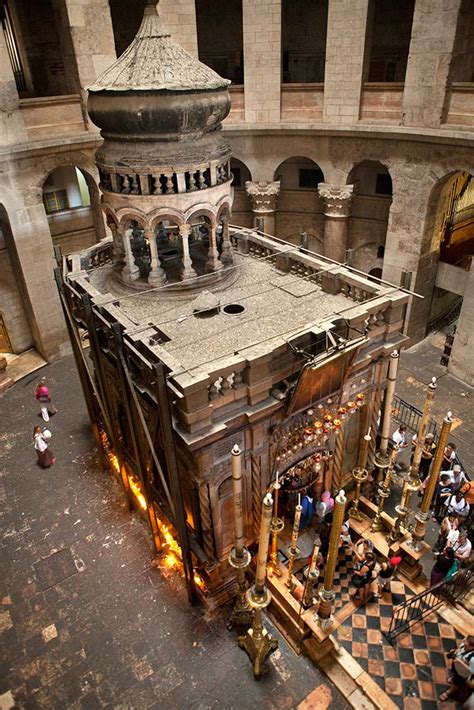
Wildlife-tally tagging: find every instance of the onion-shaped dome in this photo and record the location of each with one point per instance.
(156, 90)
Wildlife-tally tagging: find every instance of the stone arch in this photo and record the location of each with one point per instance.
(299, 207)
(370, 210)
(15, 331)
(242, 213)
(127, 214)
(222, 209)
(204, 210)
(72, 204)
(165, 213)
(240, 172)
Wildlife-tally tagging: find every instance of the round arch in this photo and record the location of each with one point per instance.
(71, 199)
(299, 217)
(241, 173)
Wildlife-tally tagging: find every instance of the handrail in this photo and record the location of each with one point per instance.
(415, 608)
(405, 413)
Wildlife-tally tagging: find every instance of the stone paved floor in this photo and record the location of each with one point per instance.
(85, 620)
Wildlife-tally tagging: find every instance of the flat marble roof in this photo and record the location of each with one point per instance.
(276, 305)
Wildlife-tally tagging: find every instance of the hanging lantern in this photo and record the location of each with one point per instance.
(342, 413)
(318, 426)
(351, 407)
(336, 423)
(360, 399)
(327, 418)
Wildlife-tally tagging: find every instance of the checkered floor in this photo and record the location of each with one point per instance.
(412, 670)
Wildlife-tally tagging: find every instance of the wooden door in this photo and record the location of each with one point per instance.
(5, 345)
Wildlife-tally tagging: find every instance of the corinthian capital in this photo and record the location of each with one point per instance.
(264, 195)
(337, 199)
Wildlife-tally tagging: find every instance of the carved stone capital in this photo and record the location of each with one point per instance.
(263, 195)
(337, 199)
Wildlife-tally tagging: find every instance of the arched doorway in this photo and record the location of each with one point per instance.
(450, 241)
(72, 204)
(300, 209)
(15, 331)
(368, 221)
(242, 214)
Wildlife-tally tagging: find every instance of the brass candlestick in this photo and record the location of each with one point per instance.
(359, 475)
(239, 557)
(383, 490)
(402, 510)
(424, 514)
(257, 642)
(293, 549)
(312, 576)
(420, 437)
(327, 594)
(276, 528)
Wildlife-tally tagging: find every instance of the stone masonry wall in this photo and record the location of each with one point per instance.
(345, 50)
(431, 49)
(179, 18)
(262, 60)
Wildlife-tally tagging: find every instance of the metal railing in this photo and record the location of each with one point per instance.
(446, 318)
(409, 415)
(419, 606)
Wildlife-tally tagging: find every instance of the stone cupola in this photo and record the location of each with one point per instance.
(164, 164)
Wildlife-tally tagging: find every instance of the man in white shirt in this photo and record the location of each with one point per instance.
(458, 505)
(399, 437)
(457, 476)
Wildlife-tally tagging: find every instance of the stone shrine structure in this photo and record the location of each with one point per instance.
(201, 331)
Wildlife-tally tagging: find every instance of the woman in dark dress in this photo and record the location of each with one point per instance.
(443, 564)
(43, 452)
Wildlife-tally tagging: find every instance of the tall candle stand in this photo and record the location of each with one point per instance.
(257, 642)
(293, 549)
(327, 594)
(403, 509)
(423, 515)
(359, 475)
(312, 576)
(383, 492)
(239, 556)
(276, 528)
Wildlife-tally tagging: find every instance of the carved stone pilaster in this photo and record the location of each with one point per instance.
(226, 255)
(188, 269)
(263, 195)
(337, 199)
(130, 271)
(156, 276)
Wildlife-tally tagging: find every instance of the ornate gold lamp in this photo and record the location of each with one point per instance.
(257, 642)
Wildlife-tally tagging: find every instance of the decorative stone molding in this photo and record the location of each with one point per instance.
(263, 195)
(337, 199)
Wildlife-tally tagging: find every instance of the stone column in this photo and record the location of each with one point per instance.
(264, 196)
(431, 48)
(188, 270)
(130, 271)
(337, 201)
(344, 70)
(262, 52)
(226, 255)
(461, 363)
(213, 263)
(90, 26)
(157, 276)
(118, 250)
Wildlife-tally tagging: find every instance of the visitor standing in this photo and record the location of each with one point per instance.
(441, 567)
(43, 397)
(307, 511)
(43, 452)
(427, 452)
(449, 457)
(386, 572)
(457, 505)
(444, 490)
(461, 670)
(458, 477)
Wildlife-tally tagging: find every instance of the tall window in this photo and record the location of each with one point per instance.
(220, 37)
(388, 41)
(55, 201)
(303, 40)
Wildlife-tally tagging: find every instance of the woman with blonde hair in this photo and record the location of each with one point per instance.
(43, 452)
